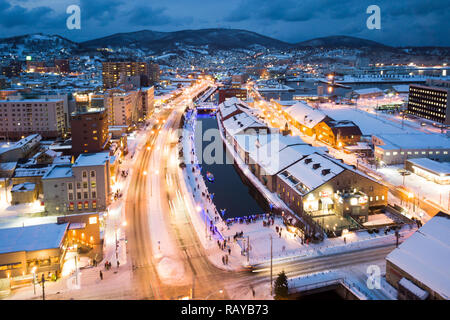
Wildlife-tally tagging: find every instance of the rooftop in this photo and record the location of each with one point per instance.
(305, 114)
(413, 141)
(32, 238)
(23, 187)
(312, 171)
(91, 159)
(425, 255)
(437, 167)
(59, 171)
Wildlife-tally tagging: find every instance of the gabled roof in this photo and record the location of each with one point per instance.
(241, 122)
(306, 115)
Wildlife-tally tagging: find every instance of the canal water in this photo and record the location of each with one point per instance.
(230, 188)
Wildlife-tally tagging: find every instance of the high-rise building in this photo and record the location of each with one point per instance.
(430, 101)
(89, 131)
(122, 107)
(154, 72)
(147, 103)
(19, 118)
(113, 71)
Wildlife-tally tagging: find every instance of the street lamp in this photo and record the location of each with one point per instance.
(34, 279)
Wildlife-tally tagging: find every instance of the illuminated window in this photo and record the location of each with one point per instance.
(93, 220)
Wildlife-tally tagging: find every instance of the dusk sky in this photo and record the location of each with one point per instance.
(403, 23)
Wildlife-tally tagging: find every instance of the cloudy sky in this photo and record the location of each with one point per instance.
(403, 22)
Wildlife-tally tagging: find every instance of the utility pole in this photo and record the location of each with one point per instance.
(248, 249)
(271, 282)
(34, 282)
(76, 269)
(43, 286)
(206, 227)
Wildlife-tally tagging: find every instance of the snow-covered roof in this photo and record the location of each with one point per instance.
(31, 139)
(368, 91)
(305, 115)
(440, 168)
(280, 152)
(31, 172)
(59, 171)
(231, 105)
(240, 122)
(311, 172)
(62, 159)
(413, 141)
(23, 187)
(91, 159)
(32, 238)
(401, 88)
(425, 255)
(405, 283)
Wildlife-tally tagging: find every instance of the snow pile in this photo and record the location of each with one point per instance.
(170, 270)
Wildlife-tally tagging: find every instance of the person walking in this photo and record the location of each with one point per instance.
(101, 275)
(118, 264)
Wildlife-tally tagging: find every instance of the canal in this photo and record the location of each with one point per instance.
(230, 189)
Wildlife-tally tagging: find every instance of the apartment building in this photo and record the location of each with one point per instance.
(20, 118)
(113, 71)
(122, 107)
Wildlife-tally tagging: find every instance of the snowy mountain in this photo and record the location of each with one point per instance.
(341, 42)
(37, 43)
(213, 38)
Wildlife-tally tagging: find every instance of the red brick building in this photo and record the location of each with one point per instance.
(89, 131)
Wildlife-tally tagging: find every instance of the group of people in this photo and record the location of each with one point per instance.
(238, 235)
(107, 267)
(225, 259)
(124, 173)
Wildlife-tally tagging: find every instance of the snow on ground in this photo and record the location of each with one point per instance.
(116, 283)
(164, 247)
(353, 241)
(423, 188)
(359, 279)
(285, 247)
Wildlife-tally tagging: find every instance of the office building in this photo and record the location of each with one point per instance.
(430, 101)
